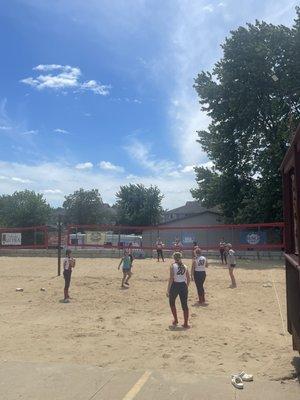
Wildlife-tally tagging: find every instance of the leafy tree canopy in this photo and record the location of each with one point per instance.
(138, 205)
(252, 97)
(24, 208)
(83, 207)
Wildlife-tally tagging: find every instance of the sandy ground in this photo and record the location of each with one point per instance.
(240, 329)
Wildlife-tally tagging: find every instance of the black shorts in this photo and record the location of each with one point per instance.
(232, 265)
(126, 270)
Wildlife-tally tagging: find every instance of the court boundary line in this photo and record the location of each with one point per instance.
(137, 386)
(279, 306)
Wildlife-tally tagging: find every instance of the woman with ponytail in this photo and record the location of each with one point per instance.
(198, 274)
(178, 285)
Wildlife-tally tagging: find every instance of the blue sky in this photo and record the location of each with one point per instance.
(98, 93)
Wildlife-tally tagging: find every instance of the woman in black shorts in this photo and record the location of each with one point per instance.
(178, 285)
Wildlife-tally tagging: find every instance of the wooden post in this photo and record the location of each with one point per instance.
(297, 187)
(59, 246)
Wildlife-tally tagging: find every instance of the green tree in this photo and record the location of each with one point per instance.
(24, 208)
(138, 205)
(83, 207)
(252, 97)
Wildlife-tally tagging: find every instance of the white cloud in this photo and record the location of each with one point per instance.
(16, 179)
(95, 87)
(5, 128)
(192, 47)
(209, 8)
(52, 67)
(188, 168)
(108, 166)
(141, 154)
(30, 132)
(52, 191)
(208, 164)
(57, 179)
(59, 130)
(86, 165)
(63, 77)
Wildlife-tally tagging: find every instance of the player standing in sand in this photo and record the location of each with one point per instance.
(179, 281)
(126, 268)
(198, 274)
(195, 247)
(159, 249)
(69, 264)
(232, 264)
(130, 252)
(222, 249)
(177, 246)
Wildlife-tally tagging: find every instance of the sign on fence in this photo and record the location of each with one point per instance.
(11, 239)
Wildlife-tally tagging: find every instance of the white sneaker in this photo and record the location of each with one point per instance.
(237, 381)
(245, 377)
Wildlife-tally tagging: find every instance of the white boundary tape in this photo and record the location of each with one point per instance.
(279, 306)
(137, 386)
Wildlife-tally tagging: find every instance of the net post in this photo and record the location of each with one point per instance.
(34, 237)
(59, 246)
(46, 237)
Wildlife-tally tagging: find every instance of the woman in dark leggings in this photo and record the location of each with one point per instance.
(69, 264)
(178, 285)
(199, 274)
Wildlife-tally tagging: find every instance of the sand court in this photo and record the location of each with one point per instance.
(240, 329)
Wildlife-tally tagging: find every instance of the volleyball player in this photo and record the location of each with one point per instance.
(159, 249)
(231, 264)
(195, 247)
(68, 264)
(126, 268)
(179, 281)
(130, 252)
(223, 253)
(198, 274)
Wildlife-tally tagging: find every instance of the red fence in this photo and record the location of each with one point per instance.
(242, 237)
(33, 237)
(267, 236)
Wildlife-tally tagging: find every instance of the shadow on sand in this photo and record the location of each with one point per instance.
(177, 328)
(296, 363)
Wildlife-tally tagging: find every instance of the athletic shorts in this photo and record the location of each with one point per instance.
(126, 270)
(232, 265)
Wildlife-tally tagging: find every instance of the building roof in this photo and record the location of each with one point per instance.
(193, 207)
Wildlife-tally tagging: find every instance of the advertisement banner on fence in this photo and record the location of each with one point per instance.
(253, 238)
(11, 239)
(95, 237)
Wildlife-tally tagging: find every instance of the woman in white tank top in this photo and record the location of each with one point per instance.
(199, 274)
(179, 281)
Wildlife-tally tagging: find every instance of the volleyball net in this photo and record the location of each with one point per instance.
(268, 236)
(143, 239)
